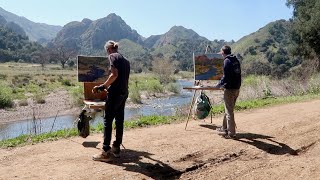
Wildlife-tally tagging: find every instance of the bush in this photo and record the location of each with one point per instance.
(173, 87)
(40, 100)
(135, 95)
(66, 82)
(23, 102)
(6, 100)
(3, 76)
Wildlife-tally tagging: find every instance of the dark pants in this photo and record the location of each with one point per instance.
(114, 109)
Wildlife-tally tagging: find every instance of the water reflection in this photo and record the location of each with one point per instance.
(161, 106)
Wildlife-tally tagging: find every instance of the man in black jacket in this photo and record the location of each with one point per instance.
(231, 82)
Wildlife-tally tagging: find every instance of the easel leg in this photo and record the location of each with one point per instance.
(191, 105)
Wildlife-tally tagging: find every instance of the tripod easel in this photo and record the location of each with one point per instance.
(198, 86)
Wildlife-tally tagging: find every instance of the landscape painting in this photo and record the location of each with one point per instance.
(208, 66)
(93, 69)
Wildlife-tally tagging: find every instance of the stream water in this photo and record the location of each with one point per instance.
(159, 106)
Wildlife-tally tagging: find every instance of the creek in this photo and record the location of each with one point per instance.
(158, 106)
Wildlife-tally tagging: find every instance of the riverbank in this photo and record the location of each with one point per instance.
(59, 103)
(56, 103)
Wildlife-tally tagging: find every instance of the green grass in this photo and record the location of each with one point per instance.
(34, 139)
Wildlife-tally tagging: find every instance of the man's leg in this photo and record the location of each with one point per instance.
(108, 119)
(224, 123)
(230, 97)
(119, 126)
(119, 121)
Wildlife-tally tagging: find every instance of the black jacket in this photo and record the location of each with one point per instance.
(231, 73)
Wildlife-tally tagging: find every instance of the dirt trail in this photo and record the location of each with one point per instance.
(280, 142)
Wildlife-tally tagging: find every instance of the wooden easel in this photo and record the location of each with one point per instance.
(198, 86)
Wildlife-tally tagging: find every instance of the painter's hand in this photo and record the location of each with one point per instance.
(98, 89)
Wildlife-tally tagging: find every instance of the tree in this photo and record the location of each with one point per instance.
(41, 56)
(164, 69)
(305, 29)
(62, 54)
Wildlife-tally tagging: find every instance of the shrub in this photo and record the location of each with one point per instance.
(23, 102)
(3, 76)
(6, 100)
(173, 87)
(66, 82)
(135, 95)
(39, 99)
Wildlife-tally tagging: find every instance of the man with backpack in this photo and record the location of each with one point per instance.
(231, 82)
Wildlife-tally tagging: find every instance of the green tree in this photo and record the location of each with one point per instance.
(305, 29)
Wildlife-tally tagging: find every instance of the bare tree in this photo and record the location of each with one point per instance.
(164, 69)
(62, 54)
(42, 57)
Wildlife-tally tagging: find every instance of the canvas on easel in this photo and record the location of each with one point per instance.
(93, 69)
(208, 66)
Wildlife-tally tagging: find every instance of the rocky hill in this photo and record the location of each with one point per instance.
(91, 35)
(35, 31)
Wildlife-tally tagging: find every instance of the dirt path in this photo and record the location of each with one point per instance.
(279, 142)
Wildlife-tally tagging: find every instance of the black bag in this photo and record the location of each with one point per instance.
(83, 124)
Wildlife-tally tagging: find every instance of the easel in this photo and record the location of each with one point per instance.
(198, 86)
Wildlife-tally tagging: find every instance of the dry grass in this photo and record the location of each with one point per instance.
(262, 87)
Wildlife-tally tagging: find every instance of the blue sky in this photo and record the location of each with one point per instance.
(213, 19)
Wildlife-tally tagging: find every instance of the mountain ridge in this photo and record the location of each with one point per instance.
(35, 31)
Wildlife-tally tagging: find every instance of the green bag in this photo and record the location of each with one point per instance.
(202, 106)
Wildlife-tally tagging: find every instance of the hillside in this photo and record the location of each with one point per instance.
(267, 50)
(35, 31)
(271, 143)
(14, 44)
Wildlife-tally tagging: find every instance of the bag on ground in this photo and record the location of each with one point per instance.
(83, 124)
(202, 106)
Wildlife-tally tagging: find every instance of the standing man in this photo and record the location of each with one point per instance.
(231, 81)
(117, 87)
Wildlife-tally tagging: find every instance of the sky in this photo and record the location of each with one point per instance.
(213, 19)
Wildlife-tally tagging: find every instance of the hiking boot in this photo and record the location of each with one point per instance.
(223, 133)
(115, 150)
(221, 129)
(230, 136)
(227, 135)
(103, 157)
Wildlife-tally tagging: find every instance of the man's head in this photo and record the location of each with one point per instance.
(225, 50)
(111, 47)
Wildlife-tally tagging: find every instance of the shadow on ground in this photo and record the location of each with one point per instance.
(209, 126)
(90, 144)
(265, 143)
(142, 162)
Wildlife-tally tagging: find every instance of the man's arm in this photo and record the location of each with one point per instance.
(222, 81)
(112, 77)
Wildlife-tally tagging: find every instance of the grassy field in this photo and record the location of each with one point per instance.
(20, 81)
